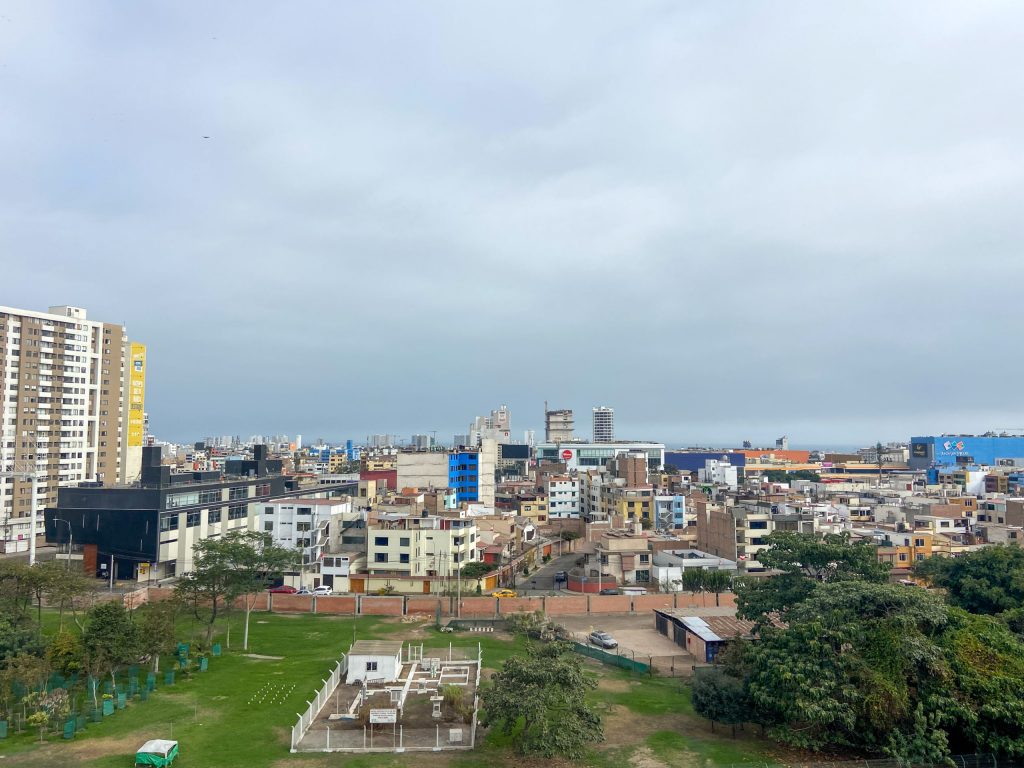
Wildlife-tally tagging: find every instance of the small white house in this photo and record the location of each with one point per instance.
(374, 661)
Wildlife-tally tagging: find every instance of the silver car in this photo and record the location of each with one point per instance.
(603, 640)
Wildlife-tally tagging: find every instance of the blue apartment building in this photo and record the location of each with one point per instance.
(464, 475)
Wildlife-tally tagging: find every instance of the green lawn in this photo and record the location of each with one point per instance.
(211, 714)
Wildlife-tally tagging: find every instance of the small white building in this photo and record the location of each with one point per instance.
(374, 661)
(563, 496)
(719, 473)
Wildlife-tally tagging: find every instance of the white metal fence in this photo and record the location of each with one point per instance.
(306, 719)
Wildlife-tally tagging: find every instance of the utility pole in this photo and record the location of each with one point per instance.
(32, 475)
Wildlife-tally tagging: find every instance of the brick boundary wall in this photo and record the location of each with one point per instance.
(471, 607)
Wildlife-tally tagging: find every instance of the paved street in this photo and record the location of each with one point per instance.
(542, 581)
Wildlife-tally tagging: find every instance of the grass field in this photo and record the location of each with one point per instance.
(648, 721)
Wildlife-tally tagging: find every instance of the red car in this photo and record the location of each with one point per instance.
(284, 589)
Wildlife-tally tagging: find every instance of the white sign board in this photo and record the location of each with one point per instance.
(383, 716)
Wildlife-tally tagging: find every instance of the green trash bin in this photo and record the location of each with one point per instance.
(216, 649)
(182, 664)
(122, 700)
(96, 716)
(3, 729)
(204, 664)
(143, 694)
(108, 707)
(169, 677)
(69, 729)
(80, 723)
(151, 681)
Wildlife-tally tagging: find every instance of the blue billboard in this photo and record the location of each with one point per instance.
(949, 450)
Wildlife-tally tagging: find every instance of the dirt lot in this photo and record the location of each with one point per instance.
(635, 633)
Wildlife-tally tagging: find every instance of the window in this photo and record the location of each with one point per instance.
(403, 558)
(759, 525)
(213, 516)
(238, 492)
(192, 519)
(404, 541)
(209, 497)
(645, 558)
(169, 522)
(268, 525)
(237, 511)
(903, 557)
(175, 500)
(268, 510)
(918, 542)
(380, 557)
(380, 541)
(371, 666)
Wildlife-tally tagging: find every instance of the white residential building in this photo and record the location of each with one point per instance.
(563, 496)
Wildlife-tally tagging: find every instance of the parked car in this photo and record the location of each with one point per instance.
(603, 640)
(323, 591)
(504, 593)
(634, 590)
(303, 591)
(283, 589)
(610, 591)
(561, 576)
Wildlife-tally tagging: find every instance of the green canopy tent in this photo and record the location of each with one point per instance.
(158, 752)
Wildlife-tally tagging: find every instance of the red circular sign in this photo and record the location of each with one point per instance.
(566, 454)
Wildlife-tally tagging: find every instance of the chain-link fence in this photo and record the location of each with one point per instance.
(956, 761)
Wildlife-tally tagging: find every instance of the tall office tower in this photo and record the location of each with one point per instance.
(72, 408)
(604, 424)
(558, 425)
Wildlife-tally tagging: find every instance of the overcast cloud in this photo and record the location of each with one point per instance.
(727, 220)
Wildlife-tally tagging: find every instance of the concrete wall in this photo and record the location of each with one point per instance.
(423, 470)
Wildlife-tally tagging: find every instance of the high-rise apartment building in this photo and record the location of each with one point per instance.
(71, 409)
(604, 424)
(558, 425)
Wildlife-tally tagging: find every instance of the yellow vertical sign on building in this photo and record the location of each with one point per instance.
(136, 394)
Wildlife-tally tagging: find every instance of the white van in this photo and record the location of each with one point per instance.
(634, 590)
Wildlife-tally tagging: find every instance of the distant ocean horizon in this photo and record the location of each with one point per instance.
(825, 447)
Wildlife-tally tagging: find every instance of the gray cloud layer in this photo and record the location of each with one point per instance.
(725, 219)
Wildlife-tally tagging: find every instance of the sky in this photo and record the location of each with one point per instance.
(727, 220)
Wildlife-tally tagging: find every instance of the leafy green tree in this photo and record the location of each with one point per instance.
(155, 623)
(889, 670)
(67, 588)
(720, 697)
(110, 641)
(540, 698)
(477, 569)
(803, 561)
(717, 582)
(16, 639)
(989, 580)
(241, 564)
(693, 579)
(64, 653)
(257, 561)
(16, 591)
(568, 535)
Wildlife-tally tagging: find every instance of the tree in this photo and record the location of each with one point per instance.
(16, 639)
(110, 641)
(888, 670)
(541, 699)
(477, 569)
(257, 562)
(717, 582)
(66, 588)
(568, 535)
(720, 698)
(155, 623)
(989, 580)
(242, 563)
(15, 591)
(693, 579)
(803, 561)
(64, 653)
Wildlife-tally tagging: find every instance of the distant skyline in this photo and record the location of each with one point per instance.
(339, 218)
